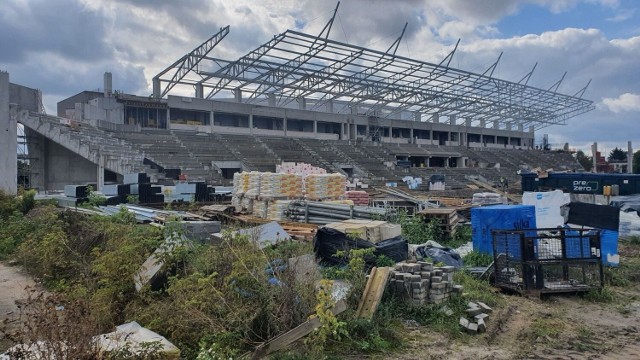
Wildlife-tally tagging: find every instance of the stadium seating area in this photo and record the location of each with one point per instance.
(194, 153)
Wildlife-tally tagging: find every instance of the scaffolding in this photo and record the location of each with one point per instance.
(319, 72)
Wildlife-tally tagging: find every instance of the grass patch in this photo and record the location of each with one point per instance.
(601, 295)
(475, 258)
(478, 290)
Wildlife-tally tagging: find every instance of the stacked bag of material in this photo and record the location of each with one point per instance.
(276, 209)
(276, 185)
(299, 168)
(325, 186)
(358, 197)
(253, 185)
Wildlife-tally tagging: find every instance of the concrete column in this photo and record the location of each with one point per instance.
(428, 164)
(250, 123)
(411, 135)
(483, 123)
(211, 119)
(157, 91)
(531, 129)
(199, 91)
(302, 103)
(496, 124)
(417, 116)
(330, 106)
(509, 126)
(452, 119)
(8, 141)
(520, 127)
(272, 99)
(284, 124)
(237, 94)
(467, 122)
(435, 118)
(315, 126)
(100, 175)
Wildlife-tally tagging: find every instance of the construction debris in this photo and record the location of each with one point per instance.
(479, 313)
(136, 340)
(373, 231)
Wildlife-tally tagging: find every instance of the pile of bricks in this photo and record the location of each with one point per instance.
(421, 283)
(479, 312)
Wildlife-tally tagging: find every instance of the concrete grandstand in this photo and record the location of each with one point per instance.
(361, 112)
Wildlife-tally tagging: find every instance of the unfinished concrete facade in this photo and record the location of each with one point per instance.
(8, 140)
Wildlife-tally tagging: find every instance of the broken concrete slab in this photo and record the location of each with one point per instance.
(485, 308)
(472, 328)
(135, 338)
(463, 322)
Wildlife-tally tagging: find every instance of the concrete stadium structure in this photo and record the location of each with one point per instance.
(366, 113)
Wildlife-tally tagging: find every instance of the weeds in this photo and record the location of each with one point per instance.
(475, 258)
(600, 295)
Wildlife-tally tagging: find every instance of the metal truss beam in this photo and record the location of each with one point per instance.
(186, 64)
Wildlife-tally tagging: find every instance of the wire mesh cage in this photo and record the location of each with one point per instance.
(535, 261)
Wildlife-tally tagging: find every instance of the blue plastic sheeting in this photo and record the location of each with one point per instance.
(499, 217)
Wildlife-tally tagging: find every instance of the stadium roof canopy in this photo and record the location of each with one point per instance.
(295, 65)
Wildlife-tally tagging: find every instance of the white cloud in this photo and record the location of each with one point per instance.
(623, 103)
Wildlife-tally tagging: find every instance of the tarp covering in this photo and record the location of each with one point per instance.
(328, 241)
(629, 203)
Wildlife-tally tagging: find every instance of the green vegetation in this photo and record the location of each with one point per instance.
(213, 301)
(416, 231)
(475, 258)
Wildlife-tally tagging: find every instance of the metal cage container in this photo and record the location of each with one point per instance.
(538, 261)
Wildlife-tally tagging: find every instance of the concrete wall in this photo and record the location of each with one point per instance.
(8, 140)
(63, 167)
(26, 98)
(70, 103)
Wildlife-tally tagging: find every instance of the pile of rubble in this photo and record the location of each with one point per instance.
(421, 283)
(479, 311)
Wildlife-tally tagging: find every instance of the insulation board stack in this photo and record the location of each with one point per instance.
(358, 197)
(325, 186)
(280, 185)
(421, 283)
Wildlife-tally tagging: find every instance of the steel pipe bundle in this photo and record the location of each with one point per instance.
(324, 213)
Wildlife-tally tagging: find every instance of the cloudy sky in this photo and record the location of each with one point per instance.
(64, 46)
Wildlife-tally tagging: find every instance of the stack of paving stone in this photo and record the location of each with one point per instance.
(421, 283)
(479, 312)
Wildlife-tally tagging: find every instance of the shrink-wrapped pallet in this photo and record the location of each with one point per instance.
(324, 186)
(247, 205)
(260, 208)
(276, 209)
(273, 186)
(240, 183)
(253, 184)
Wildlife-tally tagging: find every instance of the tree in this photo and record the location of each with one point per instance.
(636, 162)
(617, 155)
(585, 161)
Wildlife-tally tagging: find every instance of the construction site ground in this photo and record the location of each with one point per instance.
(556, 327)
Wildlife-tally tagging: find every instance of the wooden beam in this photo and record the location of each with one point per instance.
(373, 292)
(282, 341)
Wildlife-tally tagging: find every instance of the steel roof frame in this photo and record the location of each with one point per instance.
(296, 65)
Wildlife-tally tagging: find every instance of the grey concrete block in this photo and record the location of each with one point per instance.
(424, 283)
(399, 285)
(481, 326)
(448, 269)
(473, 311)
(463, 322)
(425, 275)
(472, 328)
(439, 285)
(471, 304)
(458, 288)
(482, 316)
(415, 278)
(416, 268)
(425, 266)
(485, 309)
(436, 279)
(437, 272)
(416, 285)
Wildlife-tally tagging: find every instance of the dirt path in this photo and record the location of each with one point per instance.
(13, 282)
